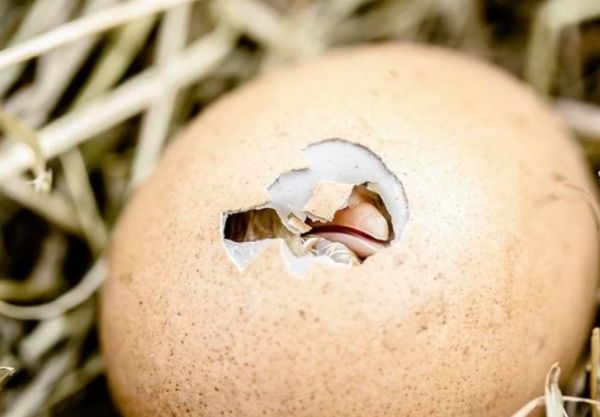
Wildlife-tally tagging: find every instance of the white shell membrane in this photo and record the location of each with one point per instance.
(335, 160)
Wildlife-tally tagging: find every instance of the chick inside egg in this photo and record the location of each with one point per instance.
(340, 212)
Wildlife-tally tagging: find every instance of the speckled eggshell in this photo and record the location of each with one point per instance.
(491, 282)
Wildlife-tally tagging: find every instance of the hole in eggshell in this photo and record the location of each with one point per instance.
(358, 229)
(344, 208)
(253, 225)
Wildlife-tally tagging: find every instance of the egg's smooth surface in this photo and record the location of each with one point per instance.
(491, 281)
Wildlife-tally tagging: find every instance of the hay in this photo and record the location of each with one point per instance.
(80, 80)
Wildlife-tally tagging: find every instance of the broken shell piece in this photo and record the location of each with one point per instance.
(297, 224)
(328, 197)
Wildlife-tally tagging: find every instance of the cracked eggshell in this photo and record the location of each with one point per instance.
(328, 197)
(491, 281)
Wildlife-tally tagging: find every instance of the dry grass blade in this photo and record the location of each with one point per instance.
(155, 125)
(43, 279)
(5, 374)
(48, 333)
(553, 398)
(322, 18)
(33, 397)
(71, 299)
(398, 18)
(254, 18)
(96, 23)
(73, 327)
(113, 63)
(76, 380)
(583, 118)
(42, 16)
(127, 100)
(576, 385)
(116, 58)
(55, 71)
(594, 404)
(529, 407)
(27, 136)
(83, 197)
(52, 206)
(551, 19)
(12, 15)
(594, 365)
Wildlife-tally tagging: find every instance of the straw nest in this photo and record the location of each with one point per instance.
(91, 90)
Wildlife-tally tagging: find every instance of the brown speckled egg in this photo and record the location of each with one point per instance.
(386, 231)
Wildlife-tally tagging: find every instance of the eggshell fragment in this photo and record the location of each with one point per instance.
(327, 198)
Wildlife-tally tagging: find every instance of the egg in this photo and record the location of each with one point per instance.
(393, 230)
